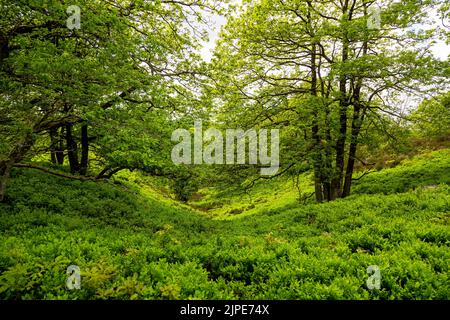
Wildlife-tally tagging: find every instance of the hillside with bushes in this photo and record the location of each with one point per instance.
(131, 246)
(224, 150)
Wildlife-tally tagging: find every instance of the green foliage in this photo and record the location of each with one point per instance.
(328, 80)
(111, 93)
(184, 186)
(432, 118)
(131, 247)
(122, 75)
(427, 170)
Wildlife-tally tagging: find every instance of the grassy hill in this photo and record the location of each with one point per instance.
(131, 244)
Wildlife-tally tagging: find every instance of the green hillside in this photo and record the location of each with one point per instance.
(131, 245)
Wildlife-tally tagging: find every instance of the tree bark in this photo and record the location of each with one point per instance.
(60, 147)
(357, 121)
(84, 149)
(356, 126)
(343, 106)
(53, 133)
(327, 185)
(72, 150)
(16, 155)
(315, 131)
(57, 145)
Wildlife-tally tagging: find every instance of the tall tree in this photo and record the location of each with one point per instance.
(126, 58)
(323, 70)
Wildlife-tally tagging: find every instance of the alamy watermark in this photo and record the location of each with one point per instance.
(74, 21)
(374, 19)
(74, 277)
(374, 280)
(235, 143)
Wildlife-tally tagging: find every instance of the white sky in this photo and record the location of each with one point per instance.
(216, 24)
(441, 50)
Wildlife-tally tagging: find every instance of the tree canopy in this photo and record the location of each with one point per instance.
(105, 95)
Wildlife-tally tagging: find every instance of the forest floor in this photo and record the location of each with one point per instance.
(132, 242)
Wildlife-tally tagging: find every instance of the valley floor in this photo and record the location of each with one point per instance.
(130, 246)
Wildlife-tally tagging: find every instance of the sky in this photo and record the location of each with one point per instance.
(441, 50)
(216, 24)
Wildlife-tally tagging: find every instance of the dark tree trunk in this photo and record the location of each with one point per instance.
(56, 145)
(315, 131)
(357, 122)
(326, 186)
(328, 166)
(16, 155)
(4, 176)
(343, 106)
(72, 150)
(4, 48)
(317, 156)
(356, 126)
(60, 148)
(318, 188)
(84, 150)
(340, 151)
(53, 133)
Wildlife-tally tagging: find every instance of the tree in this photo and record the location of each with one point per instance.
(431, 119)
(324, 70)
(64, 89)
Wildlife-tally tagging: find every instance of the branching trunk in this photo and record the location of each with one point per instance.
(340, 144)
(17, 154)
(343, 109)
(315, 131)
(357, 121)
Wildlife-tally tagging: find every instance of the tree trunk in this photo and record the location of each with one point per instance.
(60, 147)
(340, 151)
(72, 150)
(329, 193)
(16, 155)
(84, 149)
(315, 131)
(343, 106)
(57, 145)
(356, 126)
(4, 176)
(318, 187)
(357, 122)
(53, 133)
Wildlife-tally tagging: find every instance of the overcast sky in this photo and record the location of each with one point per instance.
(440, 49)
(217, 23)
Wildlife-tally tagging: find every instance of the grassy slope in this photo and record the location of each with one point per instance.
(129, 245)
(426, 170)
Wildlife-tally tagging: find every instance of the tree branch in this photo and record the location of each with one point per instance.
(58, 174)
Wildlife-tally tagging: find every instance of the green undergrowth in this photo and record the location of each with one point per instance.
(130, 246)
(426, 170)
(131, 243)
